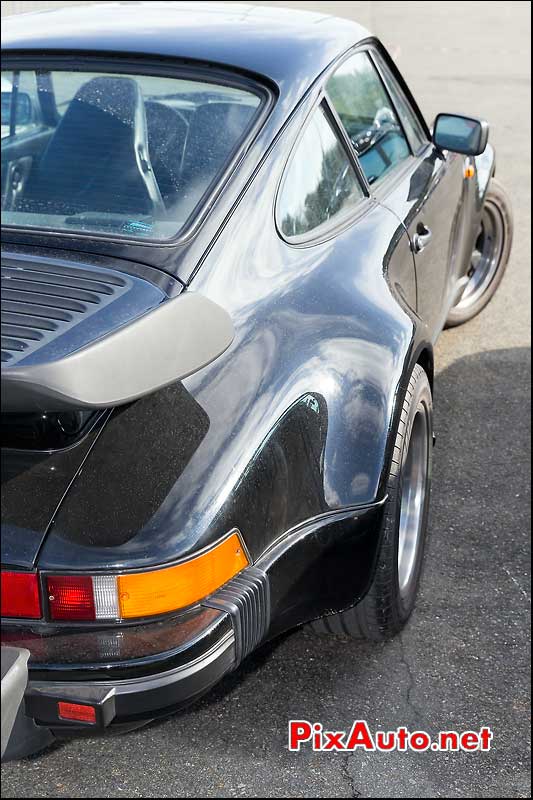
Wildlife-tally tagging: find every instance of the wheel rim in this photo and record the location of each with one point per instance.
(486, 256)
(413, 501)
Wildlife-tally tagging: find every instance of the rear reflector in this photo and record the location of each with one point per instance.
(76, 712)
(20, 595)
(71, 597)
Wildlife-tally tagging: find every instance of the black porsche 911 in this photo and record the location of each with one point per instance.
(229, 244)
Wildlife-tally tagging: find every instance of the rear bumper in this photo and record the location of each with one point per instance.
(120, 702)
(30, 708)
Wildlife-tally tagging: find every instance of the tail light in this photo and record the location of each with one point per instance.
(71, 597)
(144, 594)
(20, 595)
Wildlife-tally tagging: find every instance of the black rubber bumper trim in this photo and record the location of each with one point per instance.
(246, 598)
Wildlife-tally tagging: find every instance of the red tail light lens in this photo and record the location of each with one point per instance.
(71, 597)
(76, 711)
(20, 595)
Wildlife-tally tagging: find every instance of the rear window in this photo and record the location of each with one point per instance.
(129, 155)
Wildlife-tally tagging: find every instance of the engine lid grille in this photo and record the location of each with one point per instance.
(42, 301)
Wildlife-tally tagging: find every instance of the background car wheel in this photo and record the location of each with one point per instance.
(490, 255)
(390, 600)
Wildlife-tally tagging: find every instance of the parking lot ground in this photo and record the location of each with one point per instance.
(463, 661)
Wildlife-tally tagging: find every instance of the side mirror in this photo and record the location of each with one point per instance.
(23, 111)
(459, 134)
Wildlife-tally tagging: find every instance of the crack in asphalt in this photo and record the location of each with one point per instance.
(349, 777)
(419, 716)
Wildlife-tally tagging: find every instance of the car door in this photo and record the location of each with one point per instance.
(406, 173)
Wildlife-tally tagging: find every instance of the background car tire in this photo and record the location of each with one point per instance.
(391, 598)
(490, 258)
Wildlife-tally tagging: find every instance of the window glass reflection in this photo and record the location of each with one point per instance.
(320, 183)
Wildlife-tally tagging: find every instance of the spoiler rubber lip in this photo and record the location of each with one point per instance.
(165, 345)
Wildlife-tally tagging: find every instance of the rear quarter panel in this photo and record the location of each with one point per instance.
(291, 423)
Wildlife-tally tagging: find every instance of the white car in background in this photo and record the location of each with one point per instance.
(26, 113)
(6, 89)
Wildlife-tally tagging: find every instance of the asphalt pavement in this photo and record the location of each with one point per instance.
(463, 661)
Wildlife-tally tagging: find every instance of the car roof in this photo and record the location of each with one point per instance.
(288, 47)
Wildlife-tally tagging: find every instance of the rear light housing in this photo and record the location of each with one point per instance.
(82, 597)
(134, 595)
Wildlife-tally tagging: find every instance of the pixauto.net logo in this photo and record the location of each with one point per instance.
(360, 737)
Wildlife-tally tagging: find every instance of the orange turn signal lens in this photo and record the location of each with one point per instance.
(144, 594)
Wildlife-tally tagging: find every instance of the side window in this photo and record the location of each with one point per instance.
(365, 109)
(411, 124)
(320, 183)
(27, 114)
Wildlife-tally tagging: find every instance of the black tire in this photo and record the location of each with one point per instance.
(498, 215)
(386, 608)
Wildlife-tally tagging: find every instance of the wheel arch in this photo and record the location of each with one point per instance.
(427, 361)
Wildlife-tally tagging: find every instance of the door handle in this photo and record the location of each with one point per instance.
(421, 238)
